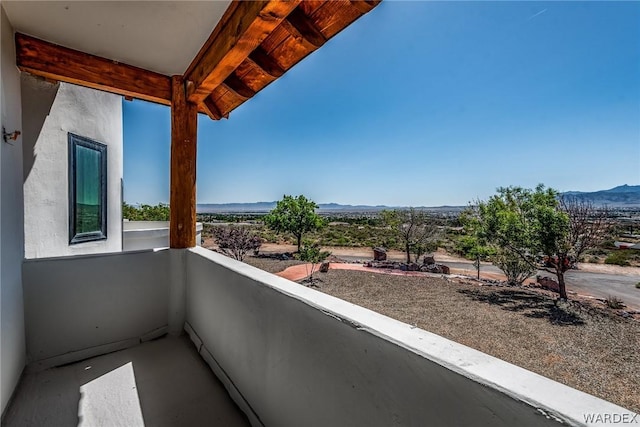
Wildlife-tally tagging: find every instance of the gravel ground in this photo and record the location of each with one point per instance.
(585, 348)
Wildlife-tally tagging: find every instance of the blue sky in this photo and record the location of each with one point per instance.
(424, 104)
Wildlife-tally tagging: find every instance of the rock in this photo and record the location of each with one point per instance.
(444, 269)
(428, 260)
(548, 283)
(324, 267)
(379, 254)
(333, 258)
(413, 267)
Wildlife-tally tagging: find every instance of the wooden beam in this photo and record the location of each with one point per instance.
(237, 34)
(211, 109)
(67, 65)
(299, 25)
(238, 87)
(184, 129)
(365, 6)
(266, 63)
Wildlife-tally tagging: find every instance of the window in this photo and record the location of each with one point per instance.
(87, 190)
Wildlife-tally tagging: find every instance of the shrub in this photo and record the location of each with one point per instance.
(613, 302)
(311, 253)
(638, 285)
(236, 241)
(513, 266)
(618, 257)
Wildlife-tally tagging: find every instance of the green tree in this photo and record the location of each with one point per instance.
(295, 215)
(159, 212)
(413, 228)
(472, 245)
(529, 223)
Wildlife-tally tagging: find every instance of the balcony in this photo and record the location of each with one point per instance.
(99, 354)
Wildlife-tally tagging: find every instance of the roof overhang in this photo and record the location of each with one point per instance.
(226, 51)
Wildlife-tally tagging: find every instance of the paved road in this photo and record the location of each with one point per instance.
(599, 285)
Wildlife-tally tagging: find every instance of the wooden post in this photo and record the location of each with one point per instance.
(184, 128)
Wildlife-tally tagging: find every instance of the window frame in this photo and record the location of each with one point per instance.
(81, 141)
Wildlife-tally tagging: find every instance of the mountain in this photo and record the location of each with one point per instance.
(261, 207)
(617, 197)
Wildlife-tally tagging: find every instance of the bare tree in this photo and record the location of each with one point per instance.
(236, 242)
(414, 228)
(587, 227)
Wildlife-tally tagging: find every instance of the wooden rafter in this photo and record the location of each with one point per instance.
(246, 70)
(364, 6)
(300, 26)
(239, 32)
(238, 87)
(211, 109)
(59, 63)
(266, 63)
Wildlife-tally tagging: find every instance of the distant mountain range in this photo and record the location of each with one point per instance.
(617, 197)
(621, 196)
(259, 207)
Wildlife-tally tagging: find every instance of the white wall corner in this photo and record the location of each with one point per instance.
(177, 290)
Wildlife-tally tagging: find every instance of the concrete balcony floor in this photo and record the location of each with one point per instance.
(158, 383)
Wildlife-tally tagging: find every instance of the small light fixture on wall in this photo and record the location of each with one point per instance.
(10, 136)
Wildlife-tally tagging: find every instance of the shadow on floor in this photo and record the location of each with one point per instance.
(159, 383)
(528, 303)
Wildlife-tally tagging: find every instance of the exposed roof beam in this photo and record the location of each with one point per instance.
(299, 25)
(210, 108)
(243, 27)
(59, 63)
(365, 6)
(266, 63)
(238, 87)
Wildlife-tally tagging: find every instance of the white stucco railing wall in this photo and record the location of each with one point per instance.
(292, 356)
(137, 235)
(77, 307)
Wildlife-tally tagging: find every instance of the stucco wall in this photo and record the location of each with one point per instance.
(137, 235)
(12, 345)
(302, 358)
(77, 303)
(51, 112)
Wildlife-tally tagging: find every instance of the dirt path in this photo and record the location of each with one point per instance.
(301, 271)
